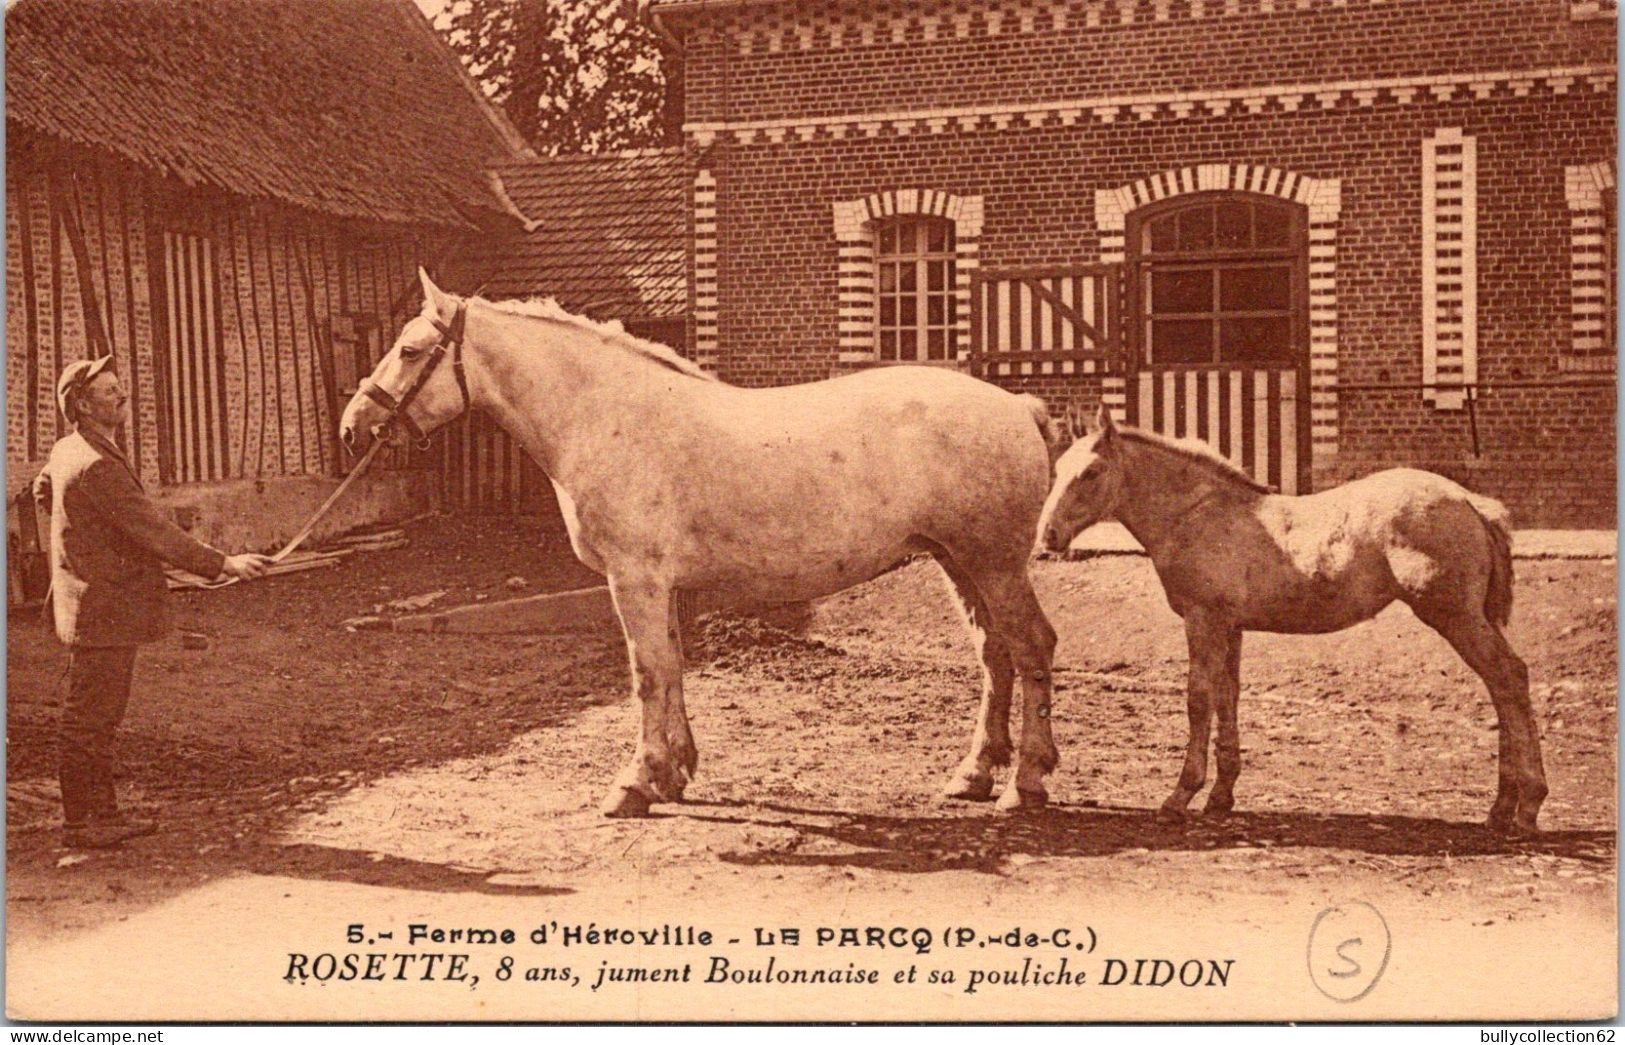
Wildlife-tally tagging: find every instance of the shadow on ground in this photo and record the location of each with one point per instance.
(922, 844)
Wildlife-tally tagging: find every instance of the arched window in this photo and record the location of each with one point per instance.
(1220, 277)
(915, 287)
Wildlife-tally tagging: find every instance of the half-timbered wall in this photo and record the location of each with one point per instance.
(240, 329)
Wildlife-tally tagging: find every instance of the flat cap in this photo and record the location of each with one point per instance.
(76, 376)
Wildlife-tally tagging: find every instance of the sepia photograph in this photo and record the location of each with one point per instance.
(811, 511)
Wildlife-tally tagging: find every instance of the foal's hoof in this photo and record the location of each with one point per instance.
(970, 787)
(1512, 826)
(1015, 798)
(623, 803)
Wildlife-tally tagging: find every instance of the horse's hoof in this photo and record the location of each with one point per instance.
(1015, 798)
(1219, 808)
(1168, 814)
(624, 803)
(969, 788)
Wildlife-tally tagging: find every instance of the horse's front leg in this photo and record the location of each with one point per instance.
(1227, 748)
(1207, 641)
(655, 773)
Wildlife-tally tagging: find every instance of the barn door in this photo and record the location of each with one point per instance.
(1219, 335)
(194, 394)
(1045, 321)
(1255, 416)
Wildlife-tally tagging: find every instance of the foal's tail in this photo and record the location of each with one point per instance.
(1498, 524)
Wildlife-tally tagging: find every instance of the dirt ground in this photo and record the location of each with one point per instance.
(469, 764)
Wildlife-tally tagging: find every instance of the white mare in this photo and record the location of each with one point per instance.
(1232, 557)
(670, 480)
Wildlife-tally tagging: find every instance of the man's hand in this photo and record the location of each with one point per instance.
(247, 566)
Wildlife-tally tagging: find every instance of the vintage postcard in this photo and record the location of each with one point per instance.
(746, 510)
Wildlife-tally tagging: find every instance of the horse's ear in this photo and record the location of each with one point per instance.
(1075, 427)
(1104, 424)
(434, 298)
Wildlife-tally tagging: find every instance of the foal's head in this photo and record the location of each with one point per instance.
(438, 400)
(1088, 484)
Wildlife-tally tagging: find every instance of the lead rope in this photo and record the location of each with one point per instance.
(310, 524)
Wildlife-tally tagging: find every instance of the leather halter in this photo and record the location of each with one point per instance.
(451, 338)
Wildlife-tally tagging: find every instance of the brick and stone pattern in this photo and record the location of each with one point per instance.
(1041, 110)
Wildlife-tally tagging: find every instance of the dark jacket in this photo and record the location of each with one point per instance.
(108, 546)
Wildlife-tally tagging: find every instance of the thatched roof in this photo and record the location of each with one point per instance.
(604, 230)
(347, 107)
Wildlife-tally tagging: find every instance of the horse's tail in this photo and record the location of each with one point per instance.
(1045, 423)
(1498, 524)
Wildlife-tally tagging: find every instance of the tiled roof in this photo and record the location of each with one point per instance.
(348, 107)
(606, 230)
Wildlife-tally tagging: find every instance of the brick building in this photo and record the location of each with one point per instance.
(1326, 235)
(232, 197)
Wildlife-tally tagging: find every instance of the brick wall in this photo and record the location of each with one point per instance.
(1035, 120)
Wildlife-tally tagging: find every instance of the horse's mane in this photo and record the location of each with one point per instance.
(611, 331)
(1196, 452)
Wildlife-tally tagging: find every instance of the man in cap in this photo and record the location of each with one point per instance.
(108, 546)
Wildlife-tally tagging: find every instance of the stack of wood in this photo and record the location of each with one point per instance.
(296, 562)
(338, 548)
(378, 541)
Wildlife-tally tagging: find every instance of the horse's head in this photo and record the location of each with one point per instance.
(1088, 483)
(410, 384)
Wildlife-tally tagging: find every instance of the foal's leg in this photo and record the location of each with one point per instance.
(990, 745)
(653, 775)
(1208, 639)
(1227, 748)
(1520, 770)
(1019, 619)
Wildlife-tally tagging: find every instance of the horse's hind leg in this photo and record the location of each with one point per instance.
(1522, 776)
(1031, 641)
(1207, 639)
(990, 745)
(655, 773)
(678, 735)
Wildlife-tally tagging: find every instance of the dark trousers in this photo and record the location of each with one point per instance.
(98, 692)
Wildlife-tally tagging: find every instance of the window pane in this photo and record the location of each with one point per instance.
(936, 310)
(888, 311)
(1196, 229)
(888, 278)
(937, 344)
(1255, 289)
(1250, 340)
(1182, 290)
(1161, 234)
(1274, 226)
(888, 239)
(907, 275)
(905, 345)
(888, 344)
(1182, 341)
(908, 311)
(936, 275)
(937, 237)
(1234, 221)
